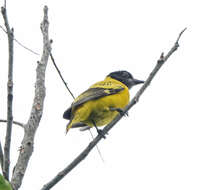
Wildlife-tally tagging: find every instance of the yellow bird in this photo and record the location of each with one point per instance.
(101, 103)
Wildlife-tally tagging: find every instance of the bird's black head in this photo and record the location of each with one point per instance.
(125, 77)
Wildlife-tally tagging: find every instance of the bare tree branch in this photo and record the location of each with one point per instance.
(1, 156)
(95, 141)
(37, 109)
(14, 122)
(10, 33)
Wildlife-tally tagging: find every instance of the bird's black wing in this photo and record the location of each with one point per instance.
(90, 94)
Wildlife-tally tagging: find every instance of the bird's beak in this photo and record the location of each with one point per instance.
(66, 131)
(136, 81)
(133, 82)
(68, 128)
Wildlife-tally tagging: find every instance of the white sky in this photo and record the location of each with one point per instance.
(169, 141)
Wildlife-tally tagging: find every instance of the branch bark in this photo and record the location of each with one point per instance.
(37, 109)
(106, 129)
(10, 32)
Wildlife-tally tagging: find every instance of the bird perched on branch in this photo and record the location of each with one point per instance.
(101, 103)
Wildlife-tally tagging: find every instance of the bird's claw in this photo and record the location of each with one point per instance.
(100, 132)
(121, 112)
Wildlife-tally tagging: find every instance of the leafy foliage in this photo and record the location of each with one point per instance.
(4, 184)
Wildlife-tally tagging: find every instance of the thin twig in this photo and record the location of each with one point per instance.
(10, 33)
(37, 109)
(14, 122)
(176, 45)
(99, 152)
(25, 47)
(94, 142)
(19, 43)
(53, 61)
(1, 156)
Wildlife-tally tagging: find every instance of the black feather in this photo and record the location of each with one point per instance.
(95, 93)
(67, 113)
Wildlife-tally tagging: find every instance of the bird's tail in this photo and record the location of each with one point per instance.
(84, 128)
(74, 124)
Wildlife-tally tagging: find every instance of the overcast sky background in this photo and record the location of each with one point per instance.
(169, 141)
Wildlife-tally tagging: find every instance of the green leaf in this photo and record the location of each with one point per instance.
(4, 184)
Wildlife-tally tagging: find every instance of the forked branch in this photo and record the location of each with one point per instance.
(95, 141)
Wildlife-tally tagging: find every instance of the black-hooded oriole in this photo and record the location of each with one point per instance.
(100, 104)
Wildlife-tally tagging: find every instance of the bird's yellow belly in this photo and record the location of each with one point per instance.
(101, 117)
(99, 110)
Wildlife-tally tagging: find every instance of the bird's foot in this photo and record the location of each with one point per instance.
(121, 112)
(100, 132)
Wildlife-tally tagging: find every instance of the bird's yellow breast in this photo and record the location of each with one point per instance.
(99, 109)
